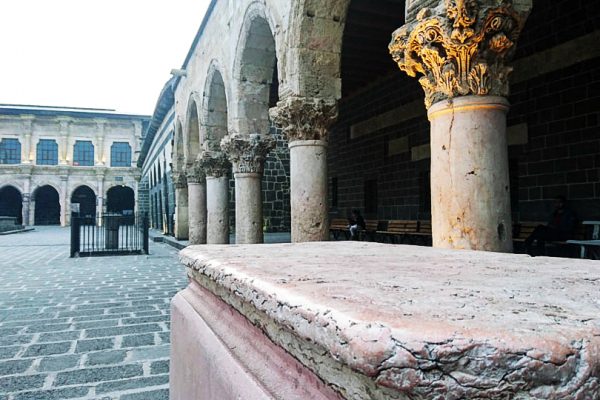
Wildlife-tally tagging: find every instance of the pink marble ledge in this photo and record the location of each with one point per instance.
(407, 322)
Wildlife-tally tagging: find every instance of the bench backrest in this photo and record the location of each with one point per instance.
(425, 227)
(402, 226)
(338, 223)
(523, 229)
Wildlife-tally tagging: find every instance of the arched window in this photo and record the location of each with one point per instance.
(120, 154)
(47, 152)
(10, 151)
(83, 153)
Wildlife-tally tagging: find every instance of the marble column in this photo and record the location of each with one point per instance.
(181, 205)
(247, 154)
(63, 145)
(196, 183)
(305, 122)
(216, 167)
(461, 49)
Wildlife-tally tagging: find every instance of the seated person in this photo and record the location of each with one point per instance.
(560, 227)
(356, 223)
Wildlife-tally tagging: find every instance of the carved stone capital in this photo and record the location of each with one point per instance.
(461, 47)
(179, 179)
(194, 173)
(303, 118)
(247, 153)
(215, 164)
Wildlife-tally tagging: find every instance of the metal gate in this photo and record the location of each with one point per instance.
(109, 234)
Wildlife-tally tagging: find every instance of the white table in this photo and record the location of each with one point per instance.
(596, 231)
(585, 245)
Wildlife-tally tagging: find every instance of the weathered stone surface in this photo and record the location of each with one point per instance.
(380, 321)
(303, 118)
(470, 198)
(247, 153)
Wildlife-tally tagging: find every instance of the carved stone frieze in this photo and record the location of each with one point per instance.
(303, 118)
(215, 164)
(461, 47)
(179, 179)
(247, 153)
(194, 173)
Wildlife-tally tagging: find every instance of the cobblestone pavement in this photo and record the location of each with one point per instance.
(85, 328)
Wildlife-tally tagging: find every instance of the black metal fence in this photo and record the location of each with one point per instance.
(110, 234)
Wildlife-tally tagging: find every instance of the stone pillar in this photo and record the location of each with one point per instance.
(26, 154)
(63, 145)
(247, 153)
(196, 183)
(461, 48)
(26, 199)
(181, 205)
(305, 123)
(216, 166)
(99, 149)
(100, 198)
(64, 207)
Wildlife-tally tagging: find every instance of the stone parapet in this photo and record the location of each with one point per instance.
(405, 322)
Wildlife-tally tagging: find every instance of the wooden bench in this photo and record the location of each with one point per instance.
(339, 226)
(523, 229)
(398, 230)
(371, 226)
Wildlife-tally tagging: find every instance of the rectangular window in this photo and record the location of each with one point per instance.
(10, 151)
(370, 196)
(120, 154)
(47, 152)
(83, 153)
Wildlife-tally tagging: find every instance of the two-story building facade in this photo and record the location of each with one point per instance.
(58, 161)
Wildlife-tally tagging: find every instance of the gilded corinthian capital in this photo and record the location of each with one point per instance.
(247, 153)
(461, 47)
(303, 118)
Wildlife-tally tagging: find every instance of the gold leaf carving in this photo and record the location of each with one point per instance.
(455, 45)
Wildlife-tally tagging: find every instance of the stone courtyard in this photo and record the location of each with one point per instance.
(84, 328)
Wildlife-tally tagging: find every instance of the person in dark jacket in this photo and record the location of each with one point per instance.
(356, 223)
(560, 227)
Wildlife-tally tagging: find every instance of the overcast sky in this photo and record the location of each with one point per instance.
(113, 54)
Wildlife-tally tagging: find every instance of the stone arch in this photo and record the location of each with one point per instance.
(47, 205)
(178, 151)
(214, 108)
(86, 197)
(255, 70)
(13, 184)
(11, 202)
(120, 198)
(317, 38)
(192, 132)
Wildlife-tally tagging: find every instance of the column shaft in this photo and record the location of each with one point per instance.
(248, 208)
(217, 206)
(470, 198)
(197, 212)
(181, 213)
(308, 192)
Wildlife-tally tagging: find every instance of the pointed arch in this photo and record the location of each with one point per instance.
(256, 71)
(192, 131)
(178, 151)
(214, 108)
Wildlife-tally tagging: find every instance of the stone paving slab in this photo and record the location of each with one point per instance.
(85, 328)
